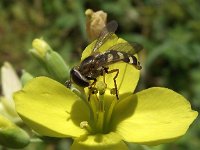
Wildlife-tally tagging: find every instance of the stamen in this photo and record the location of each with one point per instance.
(101, 113)
(97, 105)
(109, 114)
(79, 91)
(85, 125)
(101, 87)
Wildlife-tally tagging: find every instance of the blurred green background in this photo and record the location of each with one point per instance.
(168, 30)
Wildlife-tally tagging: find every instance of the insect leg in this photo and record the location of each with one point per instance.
(92, 89)
(105, 70)
(68, 84)
(115, 82)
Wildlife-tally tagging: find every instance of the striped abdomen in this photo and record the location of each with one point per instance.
(112, 56)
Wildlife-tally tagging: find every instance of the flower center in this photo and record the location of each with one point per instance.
(100, 110)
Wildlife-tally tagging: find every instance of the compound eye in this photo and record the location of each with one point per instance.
(78, 78)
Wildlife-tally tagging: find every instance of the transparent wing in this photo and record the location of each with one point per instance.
(105, 34)
(130, 48)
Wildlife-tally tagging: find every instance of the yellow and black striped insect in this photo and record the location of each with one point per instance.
(97, 64)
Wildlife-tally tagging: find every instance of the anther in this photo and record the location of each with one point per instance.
(101, 87)
(85, 125)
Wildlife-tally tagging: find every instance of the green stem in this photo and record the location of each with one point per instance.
(36, 140)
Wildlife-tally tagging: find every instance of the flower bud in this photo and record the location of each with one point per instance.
(10, 80)
(10, 84)
(56, 66)
(11, 135)
(50, 60)
(95, 22)
(40, 47)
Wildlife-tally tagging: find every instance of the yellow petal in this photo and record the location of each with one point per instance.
(50, 108)
(153, 116)
(127, 78)
(111, 141)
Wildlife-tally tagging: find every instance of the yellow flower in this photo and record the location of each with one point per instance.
(153, 116)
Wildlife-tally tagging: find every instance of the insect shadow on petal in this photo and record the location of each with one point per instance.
(97, 63)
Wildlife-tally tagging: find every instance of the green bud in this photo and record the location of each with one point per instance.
(50, 60)
(56, 66)
(40, 47)
(11, 135)
(25, 77)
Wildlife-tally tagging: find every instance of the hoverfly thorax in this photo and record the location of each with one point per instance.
(87, 65)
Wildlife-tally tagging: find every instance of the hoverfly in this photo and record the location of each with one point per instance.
(97, 64)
